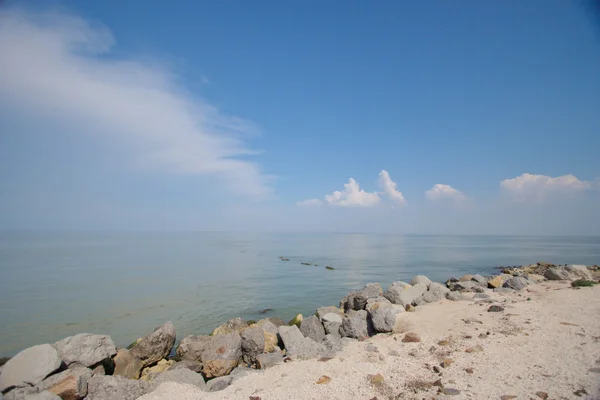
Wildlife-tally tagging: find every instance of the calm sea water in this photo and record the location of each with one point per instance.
(54, 285)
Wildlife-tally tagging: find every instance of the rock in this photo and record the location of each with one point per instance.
(253, 343)
(405, 296)
(469, 370)
(312, 327)
(45, 395)
(507, 397)
(333, 342)
(393, 292)
(436, 292)
(174, 391)
(156, 345)
(579, 272)
(221, 355)
(476, 349)
(466, 286)
(235, 325)
(355, 325)
(446, 363)
(29, 367)
(455, 296)
(322, 311)
(85, 348)
(542, 395)
(22, 393)
(115, 387)
(503, 290)
(296, 344)
(332, 323)
(482, 280)
(409, 308)
(191, 348)
(450, 391)
(516, 283)
(411, 337)
(70, 384)
(127, 365)
(264, 361)
(297, 320)
(271, 342)
(495, 282)
(420, 279)
(218, 384)
(534, 277)
(276, 321)
(376, 379)
(181, 375)
(98, 370)
(557, 274)
(466, 278)
(268, 326)
(371, 349)
(495, 308)
(189, 364)
(358, 300)
(383, 314)
(323, 380)
(149, 373)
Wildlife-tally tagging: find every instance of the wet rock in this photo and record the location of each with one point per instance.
(495, 308)
(218, 384)
(296, 344)
(264, 361)
(181, 375)
(495, 282)
(358, 300)
(312, 328)
(156, 345)
(221, 354)
(355, 325)
(191, 348)
(127, 365)
(516, 283)
(85, 348)
(557, 274)
(332, 323)
(115, 387)
(29, 367)
(411, 337)
(235, 325)
(420, 279)
(71, 384)
(455, 296)
(253, 343)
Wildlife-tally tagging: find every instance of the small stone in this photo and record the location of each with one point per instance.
(218, 384)
(580, 392)
(450, 391)
(437, 383)
(436, 369)
(472, 321)
(376, 379)
(381, 357)
(482, 336)
(372, 349)
(444, 342)
(507, 397)
(411, 337)
(469, 370)
(542, 395)
(446, 363)
(394, 353)
(323, 380)
(495, 308)
(596, 370)
(476, 349)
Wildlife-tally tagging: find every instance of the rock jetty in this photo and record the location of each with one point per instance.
(90, 366)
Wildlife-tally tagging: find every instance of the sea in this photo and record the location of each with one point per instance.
(125, 284)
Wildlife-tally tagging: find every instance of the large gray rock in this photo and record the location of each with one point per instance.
(191, 348)
(436, 292)
(235, 325)
(393, 292)
(557, 274)
(69, 384)
(332, 323)
(180, 375)
(127, 365)
(296, 344)
(404, 297)
(579, 272)
(322, 311)
(358, 300)
(102, 387)
(221, 354)
(253, 343)
(383, 315)
(264, 361)
(85, 348)
(218, 384)
(355, 325)
(22, 393)
(156, 345)
(268, 326)
(420, 279)
(482, 280)
(29, 367)
(466, 286)
(333, 342)
(188, 364)
(516, 283)
(455, 296)
(312, 327)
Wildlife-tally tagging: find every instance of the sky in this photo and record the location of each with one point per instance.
(434, 117)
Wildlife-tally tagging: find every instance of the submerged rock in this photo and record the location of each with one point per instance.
(29, 367)
(85, 348)
(156, 345)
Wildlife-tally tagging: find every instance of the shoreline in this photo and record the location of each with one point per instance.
(366, 319)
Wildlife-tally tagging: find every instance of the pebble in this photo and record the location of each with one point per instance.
(472, 321)
(450, 391)
(469, 370)
(476, 349)
(542, 395)
(495, 308)
(411, 337)
(438, 383)
(394, 353)
(436, 369)
(323, 380)
(372, 349)
(507, 397)
(446, 363)
(376, 379)
(381, 357)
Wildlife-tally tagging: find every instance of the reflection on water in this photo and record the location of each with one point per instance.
(124, 284)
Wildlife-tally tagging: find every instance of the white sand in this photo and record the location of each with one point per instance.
(529, 349)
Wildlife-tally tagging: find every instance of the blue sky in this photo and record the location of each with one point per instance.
(226, 115)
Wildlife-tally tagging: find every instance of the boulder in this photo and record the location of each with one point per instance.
(436, 292)
(465, 278)
(557, 274)
(127, 365)
(516, 283)
(297, 320)
(85, 348)
(264, 361)
(70, 384)
(579, 272)
(358, 300)
(495, 282)
(149, 373)
(115, 387)
(181, 375)
(235, 325)
(322, 311)
(332, 323)
(156, 345)
(268, 326)
(276, 321)
(29, 367)
(189, 364)
(296, 344)
(312, 328)
(253, 343)
(383, 316)
(406, 296)
(482, 280)
(221, 354)
(269, 334)
(191, 348)
(23, 393)
(455, 296)
(420, 279)
(466, 286)
(218, 384)
(45, 395)
(534, 277)
(355, 325)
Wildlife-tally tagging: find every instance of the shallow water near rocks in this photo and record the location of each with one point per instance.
(56, 284)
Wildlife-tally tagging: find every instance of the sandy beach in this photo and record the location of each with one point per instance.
(545, 342)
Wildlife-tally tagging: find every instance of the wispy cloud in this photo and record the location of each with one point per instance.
(60, 65)
(537, 187)
(440, 191)
(310, 203)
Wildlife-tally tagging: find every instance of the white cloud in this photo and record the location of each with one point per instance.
(536, 187)
(310, 203)
(441, 191)
(62, 66)
(352, 195)
(389, 187)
